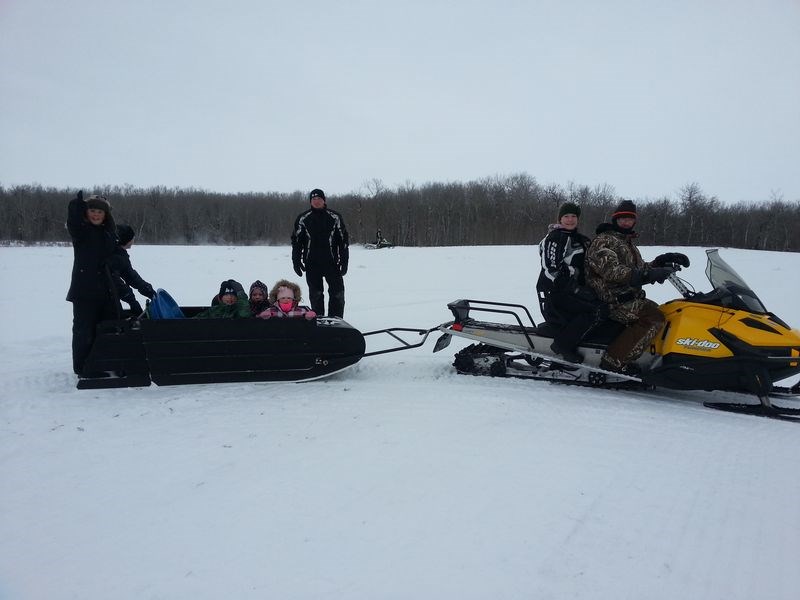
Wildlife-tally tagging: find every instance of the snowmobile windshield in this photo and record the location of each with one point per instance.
(730, 286)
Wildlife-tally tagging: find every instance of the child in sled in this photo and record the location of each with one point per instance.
(259, 297)
(285, 297)
(233, 303)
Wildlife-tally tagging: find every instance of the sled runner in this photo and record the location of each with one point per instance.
(721, 340)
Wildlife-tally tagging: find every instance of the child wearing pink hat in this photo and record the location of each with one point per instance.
(285, 297)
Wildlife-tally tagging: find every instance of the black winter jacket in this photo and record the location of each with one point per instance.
(124, 276)
(562, 255)
(320, 239)
(92, 246)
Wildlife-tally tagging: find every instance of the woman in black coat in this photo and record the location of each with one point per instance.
(94, 238)
(562, 287)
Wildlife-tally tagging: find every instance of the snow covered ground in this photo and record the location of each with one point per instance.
(397, 478)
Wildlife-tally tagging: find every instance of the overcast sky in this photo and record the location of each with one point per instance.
(280, 96)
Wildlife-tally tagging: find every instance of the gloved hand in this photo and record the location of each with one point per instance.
(298, 268)
(148, 291)
(310, 315)
(80, 195)
(343, 269)
(136, 308)
(657, 274)
(677, 258)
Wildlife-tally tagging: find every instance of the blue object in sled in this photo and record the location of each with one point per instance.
(163, 306)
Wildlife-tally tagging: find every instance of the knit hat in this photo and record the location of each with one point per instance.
(125, 234)
(226, 288)
(98, 202)
(626, 208)
(257, 284)
(283, 283)
(569, 208)
(316, 193)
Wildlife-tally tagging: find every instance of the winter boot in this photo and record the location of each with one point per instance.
(607, 363)
(572, 356)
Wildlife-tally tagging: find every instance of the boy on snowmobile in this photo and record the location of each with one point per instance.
(616, 271)
(285, 297)
(562, 289)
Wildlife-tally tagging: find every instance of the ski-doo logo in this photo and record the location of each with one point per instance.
(699, 344)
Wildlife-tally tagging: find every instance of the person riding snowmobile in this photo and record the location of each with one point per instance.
(616, 272)
(564, 297)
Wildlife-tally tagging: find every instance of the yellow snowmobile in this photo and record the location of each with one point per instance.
(725, 339)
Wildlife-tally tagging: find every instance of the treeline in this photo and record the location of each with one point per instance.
(514, 209)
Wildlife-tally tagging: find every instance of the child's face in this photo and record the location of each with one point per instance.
(228, 299)
(257, 295)
(285, 298)
(96, 216)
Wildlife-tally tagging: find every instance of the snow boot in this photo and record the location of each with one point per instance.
(609, 364)
(572, 356)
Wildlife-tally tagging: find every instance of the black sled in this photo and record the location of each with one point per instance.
(174, 349)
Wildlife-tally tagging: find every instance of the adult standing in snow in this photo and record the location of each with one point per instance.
(616, 271)
(320, 247)
(562, 287)
(94, 239)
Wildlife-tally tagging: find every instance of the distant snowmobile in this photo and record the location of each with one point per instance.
(725, 339)
(380, 242)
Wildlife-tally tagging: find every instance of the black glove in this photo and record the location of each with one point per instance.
(343, 269)
(80, 195)
(298, 268)
(136, 308)
(148, 291)
(677, 258)
(657, 274)
(564, 281)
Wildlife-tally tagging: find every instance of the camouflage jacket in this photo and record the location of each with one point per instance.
(611, 259)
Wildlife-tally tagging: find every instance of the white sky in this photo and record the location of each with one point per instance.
(277, 96)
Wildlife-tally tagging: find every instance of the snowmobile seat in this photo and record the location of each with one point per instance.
(601, 335)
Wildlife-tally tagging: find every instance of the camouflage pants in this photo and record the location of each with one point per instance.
(629, 345)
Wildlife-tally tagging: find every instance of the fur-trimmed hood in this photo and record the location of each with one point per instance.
(273, 294)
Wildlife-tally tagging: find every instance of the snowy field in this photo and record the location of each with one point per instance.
(395, 479)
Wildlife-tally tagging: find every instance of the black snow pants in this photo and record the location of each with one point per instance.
(86, 314)
(314, 277)
(580, 314)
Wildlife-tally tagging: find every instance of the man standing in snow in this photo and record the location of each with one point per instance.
(616, 271)
(320, 247)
